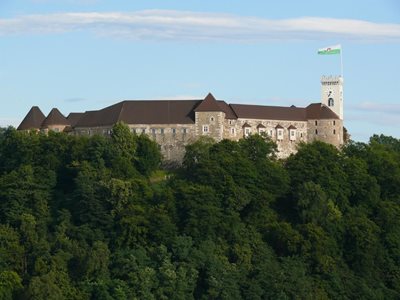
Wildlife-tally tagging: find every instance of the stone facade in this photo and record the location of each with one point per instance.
(175, 124)
(328, 131)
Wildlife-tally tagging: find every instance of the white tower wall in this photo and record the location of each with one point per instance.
(332, 93)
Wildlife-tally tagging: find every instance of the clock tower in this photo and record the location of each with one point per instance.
(332, 93)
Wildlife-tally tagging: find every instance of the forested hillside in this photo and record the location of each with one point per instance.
(95, 218)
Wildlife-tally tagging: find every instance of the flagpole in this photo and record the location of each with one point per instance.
(341, 61)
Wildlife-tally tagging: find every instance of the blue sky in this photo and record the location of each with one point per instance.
(81, 55)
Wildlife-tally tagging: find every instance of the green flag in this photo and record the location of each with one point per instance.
(330, 50)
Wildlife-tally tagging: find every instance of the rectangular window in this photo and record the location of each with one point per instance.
(230, 122)
(205, 128)
(334, 131)
(334, 122)
(153, 131)
(162, 130)
(247, 131)
(270, 133)
(184, 131)
(173, 130)
(143, 130)
(292, 135)
(316, 123)
(233, 132)
(280, 134)
(261, 130)
(316, 131)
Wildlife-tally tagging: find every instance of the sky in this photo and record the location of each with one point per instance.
(80, 55)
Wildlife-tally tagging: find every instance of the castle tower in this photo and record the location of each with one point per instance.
(332, 93)
(209, 118)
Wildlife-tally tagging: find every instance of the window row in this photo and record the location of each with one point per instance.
(279, 132)
(333, 131)
(333, 122)
(159, 130)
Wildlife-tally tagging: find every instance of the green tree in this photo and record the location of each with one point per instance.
(123, 151)
(258, 147)
(10, 284)
(148, 156)
(89, 198)
(11, 250)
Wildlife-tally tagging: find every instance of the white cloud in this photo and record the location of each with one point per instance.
(374, 113)
(75, 99)
(184, 25)
(376, 107)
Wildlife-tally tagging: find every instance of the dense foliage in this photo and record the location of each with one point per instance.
(94, 218)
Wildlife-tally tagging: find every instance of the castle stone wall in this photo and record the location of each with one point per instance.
(328, 131)
(172, 138)
(214, 121)
(286, 144)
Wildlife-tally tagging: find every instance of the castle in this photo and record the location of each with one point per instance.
(175, 123)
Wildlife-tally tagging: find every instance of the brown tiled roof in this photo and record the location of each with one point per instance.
(246, 125)
(226, 108)
(292, 127)
(260, 126)
(142, 112)
(73, 118)
(54, 118)
(33, 119)
(182, 112)
(245, 111)
(103, 117)
(320, 111)
(278, 126)
(208, 104)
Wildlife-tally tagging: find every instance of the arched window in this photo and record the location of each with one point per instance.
(330, 102)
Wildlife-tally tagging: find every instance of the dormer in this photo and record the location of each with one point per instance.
(261, 128)
(246, 129)
(279, 132)
(292, 132)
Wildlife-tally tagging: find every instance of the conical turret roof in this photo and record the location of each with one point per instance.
(208, 104)
(33, 119)
(55, 118)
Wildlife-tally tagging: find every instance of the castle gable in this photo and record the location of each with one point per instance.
(227, 109)
(55, 117)
(33, 119)
(208, 104)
